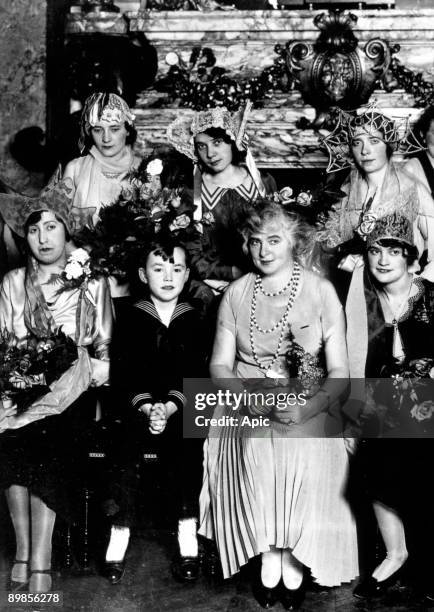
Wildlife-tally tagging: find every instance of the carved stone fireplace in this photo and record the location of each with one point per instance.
(243, 43)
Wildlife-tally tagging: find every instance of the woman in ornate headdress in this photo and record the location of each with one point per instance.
(392, 335)
(278, 490)
(38, 447)
(366, 141)
(107, 134)
(421, 166)
(226, 180)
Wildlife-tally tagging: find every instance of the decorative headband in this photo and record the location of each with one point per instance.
(392, 227)
(103, 107)
(394, 132)
(182, 131)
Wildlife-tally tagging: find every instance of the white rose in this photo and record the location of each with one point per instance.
(176, 201)
(73, 270)
(172, 58)
(285, 195)
(155, 167)
(304, 198)
(79, 255)
(422, 411)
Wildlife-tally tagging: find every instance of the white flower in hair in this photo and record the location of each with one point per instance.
(155, 167)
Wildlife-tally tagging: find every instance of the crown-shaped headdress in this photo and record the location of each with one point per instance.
(394, 132)
(182, 131)
(393, 227)
(103, 107)
(16, 208)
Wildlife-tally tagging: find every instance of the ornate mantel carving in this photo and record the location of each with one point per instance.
(244, 43)
(334, 70)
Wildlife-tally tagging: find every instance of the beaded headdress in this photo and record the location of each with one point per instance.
(393, 227)
(16, 208)
(103, 107)
(182, 131)
(395, 132)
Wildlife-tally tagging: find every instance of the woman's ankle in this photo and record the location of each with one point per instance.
(40, 581)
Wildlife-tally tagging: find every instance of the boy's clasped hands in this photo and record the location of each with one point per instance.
(158, 415)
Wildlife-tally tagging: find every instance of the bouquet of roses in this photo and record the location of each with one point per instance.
(156, 200)
(414, 388)
(406, 397)
(29, 367)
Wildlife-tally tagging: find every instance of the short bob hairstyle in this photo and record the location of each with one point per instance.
(238, 157)
(409, 252)
(300, 233)
(36, 216)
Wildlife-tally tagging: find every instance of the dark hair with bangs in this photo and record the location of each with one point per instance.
(36, 216)
(409, 252)
(238, 157)
(263, 210)
(364, 120)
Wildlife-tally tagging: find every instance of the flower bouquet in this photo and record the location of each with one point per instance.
(156, 200)
(28, 368)
(405, 399)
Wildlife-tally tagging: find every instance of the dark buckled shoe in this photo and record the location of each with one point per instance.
(114, 571)
(370, 588)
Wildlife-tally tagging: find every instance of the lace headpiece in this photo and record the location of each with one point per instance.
(395, 227)
(16, 208)
(396, 133)
(182, 131)
(103, 107)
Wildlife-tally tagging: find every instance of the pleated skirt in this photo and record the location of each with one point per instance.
(289, 493)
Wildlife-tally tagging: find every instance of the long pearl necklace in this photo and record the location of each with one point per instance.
(293, 285)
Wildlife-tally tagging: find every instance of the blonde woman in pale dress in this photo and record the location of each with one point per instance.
(280, 493)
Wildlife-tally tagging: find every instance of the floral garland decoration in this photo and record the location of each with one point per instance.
(201, 84)
(398, 76)
(28, 367)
